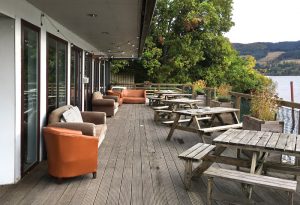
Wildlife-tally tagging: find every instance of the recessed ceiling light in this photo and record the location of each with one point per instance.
(133, 45)
(92, 15)
(105, 32)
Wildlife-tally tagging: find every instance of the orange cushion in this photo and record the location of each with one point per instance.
(59, 130)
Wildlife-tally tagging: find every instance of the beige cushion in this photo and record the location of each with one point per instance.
(72, 115)
(97, 95)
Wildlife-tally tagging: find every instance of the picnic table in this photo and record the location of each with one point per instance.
(175, 103)
(261, 144)
(207, 113)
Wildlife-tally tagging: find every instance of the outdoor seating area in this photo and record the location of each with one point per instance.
(137, 165)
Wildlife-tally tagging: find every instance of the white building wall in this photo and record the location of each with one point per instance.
(7, 102)
(10, 78)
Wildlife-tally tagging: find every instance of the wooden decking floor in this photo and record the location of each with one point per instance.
(136, 166)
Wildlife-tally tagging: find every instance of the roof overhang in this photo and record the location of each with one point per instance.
(117, 28)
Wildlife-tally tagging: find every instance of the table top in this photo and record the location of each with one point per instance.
(181, 100)
(177, 94)
(260, 141)
(162, 92)
(206, 111)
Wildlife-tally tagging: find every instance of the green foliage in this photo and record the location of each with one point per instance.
(118, 65)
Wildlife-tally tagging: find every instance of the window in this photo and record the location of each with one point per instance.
(56, 72)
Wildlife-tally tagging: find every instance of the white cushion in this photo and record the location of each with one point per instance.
(73, 115)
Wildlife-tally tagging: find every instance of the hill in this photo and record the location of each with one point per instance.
(273, 58)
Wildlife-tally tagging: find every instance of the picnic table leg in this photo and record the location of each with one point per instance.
(188, 174)
(219, 118)
(252, 171)
(201, 134)
(238, 156)
(173, 127)
(209, 190)
(235, 118)
(291, 198)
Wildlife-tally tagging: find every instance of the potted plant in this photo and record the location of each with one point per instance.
(223, 98)
(263, 107)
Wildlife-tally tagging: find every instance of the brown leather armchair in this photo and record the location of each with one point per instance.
(107, 104)
(118, 94)
(70, 153)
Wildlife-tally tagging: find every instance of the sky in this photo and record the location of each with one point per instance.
(265, 21)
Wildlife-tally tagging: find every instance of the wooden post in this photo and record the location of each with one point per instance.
(293, 111)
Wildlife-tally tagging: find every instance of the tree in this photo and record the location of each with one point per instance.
(186, 43)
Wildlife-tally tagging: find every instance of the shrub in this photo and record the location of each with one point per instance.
(264, 103)
(223, 92)
(199, 86)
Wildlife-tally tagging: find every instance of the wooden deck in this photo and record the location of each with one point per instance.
(136, 166)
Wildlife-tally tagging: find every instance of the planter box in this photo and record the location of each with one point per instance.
(252, 123)
(203, 98)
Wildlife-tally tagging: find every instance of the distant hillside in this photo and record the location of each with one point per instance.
(273, 58)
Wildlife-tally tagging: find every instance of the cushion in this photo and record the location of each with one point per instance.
(72, 115)
(62, 130)
(97, 95)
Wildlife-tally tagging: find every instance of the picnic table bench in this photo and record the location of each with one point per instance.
(252, 179)
(194, 154)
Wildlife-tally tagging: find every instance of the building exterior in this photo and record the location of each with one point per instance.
(53, 53)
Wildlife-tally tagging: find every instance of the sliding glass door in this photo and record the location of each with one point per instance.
(30, 96)
(56, 72)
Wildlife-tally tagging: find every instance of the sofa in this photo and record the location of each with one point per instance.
(107, 104)
(70, 153)
(134, 96)
(89, 123)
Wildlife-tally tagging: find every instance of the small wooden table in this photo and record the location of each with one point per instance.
(197, 115)
(174, 103)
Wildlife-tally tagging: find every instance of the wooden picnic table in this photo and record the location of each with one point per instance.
(207, 113)
(175, 103)
(259, 143)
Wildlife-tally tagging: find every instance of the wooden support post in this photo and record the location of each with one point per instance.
(238, 156)
(209, 190)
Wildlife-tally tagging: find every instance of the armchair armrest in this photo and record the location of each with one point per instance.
(113, 97)
(103, 102)
(86, 128)
(94, 117)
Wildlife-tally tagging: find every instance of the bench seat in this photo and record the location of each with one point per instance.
(220, 128)
(194, 154)
(186, 120)
(252, 179)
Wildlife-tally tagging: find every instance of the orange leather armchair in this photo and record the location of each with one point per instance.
(70, 153)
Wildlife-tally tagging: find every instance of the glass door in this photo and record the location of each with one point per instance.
(96, 75)
(76, 77)
(30, 97)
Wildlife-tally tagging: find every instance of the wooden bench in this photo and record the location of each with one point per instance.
(185, 120)
(252, 179)
(160, 107)
(194, 154)
(220, 128)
